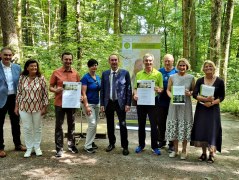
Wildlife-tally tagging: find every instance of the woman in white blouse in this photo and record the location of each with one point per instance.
(31, 104)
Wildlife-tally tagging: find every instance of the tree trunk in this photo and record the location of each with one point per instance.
(55, 24)
(8, 27)
(78, 32)
(226, 39)
(49, 24)
(215, 33)
(19, 26)
(63, 21)
(193, 36)
(116, 16)
(164, 29)
(27, 28)
(237, 56)
(120, 18)
(185, 12)
(175, 50)
(44, 24)
(108, 16)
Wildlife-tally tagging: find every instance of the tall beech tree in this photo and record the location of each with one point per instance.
(226, 39)
(215, 36)
(8, 25)
(116, 16)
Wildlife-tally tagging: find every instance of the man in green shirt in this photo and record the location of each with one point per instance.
(148, 73)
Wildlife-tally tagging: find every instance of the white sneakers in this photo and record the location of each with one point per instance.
(29, 152)
(38, 152)
(183, 156)
(174, 154)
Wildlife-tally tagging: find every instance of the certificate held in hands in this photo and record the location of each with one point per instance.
(71, 94)
(145, 91)
(178, 95)
(206, 90)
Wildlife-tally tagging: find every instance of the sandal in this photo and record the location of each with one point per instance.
(210, 159)
(203, 157)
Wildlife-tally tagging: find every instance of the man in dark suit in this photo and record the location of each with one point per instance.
(115, 95)
(9, 76)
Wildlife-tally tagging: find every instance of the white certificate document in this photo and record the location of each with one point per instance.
(71, 95)
(206, 90)
(145, 92)
(178, 95)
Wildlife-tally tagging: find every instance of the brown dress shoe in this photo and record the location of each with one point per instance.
(20, 148)
(2, 154)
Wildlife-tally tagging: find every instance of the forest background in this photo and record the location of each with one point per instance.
(198, 30)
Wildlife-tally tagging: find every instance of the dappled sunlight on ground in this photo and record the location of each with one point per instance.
(236, 172)
(192, 167)
(45, 173)
(228, 150)
(75, 159)
(113, 165)
(229, 157)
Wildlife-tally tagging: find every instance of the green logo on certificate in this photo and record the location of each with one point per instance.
(126, 45)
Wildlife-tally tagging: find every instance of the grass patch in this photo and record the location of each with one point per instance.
(231, 104)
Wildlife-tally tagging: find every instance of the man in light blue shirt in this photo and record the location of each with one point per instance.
(164, 100)
(9, 76)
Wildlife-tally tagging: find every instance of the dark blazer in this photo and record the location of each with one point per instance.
(16, 71)
(123, 88)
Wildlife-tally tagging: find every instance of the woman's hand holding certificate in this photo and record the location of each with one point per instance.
(207, 92)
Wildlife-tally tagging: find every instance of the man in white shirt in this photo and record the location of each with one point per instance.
(9, 76)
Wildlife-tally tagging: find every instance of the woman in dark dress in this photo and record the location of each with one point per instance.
(207, 130)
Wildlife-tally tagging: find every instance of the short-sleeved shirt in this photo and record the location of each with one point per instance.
(58, 77)
(164, 100)
(153, 75)
(93, 88)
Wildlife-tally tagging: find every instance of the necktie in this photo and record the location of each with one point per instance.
(114, 86)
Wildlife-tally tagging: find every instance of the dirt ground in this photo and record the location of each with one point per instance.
(114, 165)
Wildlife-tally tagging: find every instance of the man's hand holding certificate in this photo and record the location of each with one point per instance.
(71, 94)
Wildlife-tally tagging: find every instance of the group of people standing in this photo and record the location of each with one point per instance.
(25, 94)
(22, 93)
(176, 122)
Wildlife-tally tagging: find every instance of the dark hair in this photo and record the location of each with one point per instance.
(27, 63)
(66, 53)
(92, 62)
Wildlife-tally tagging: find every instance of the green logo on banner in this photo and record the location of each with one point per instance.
(126, 45)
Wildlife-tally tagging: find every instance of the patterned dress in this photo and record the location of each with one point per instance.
(180, 117)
